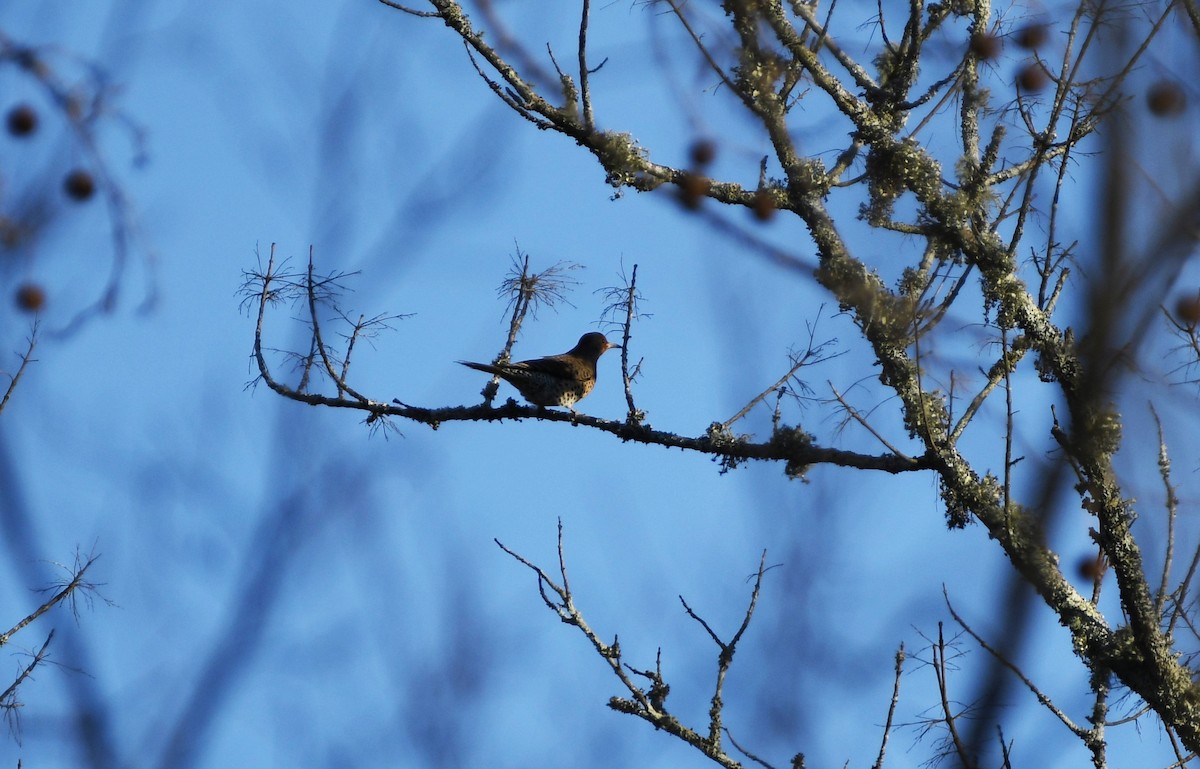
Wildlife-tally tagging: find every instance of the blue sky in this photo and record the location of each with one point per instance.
(391, 631)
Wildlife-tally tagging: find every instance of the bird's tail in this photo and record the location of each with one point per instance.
(484, 367)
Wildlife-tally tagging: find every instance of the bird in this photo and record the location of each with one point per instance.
(556, 380)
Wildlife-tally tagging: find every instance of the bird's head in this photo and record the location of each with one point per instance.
(592, 345)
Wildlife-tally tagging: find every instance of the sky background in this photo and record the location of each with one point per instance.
(290, 589)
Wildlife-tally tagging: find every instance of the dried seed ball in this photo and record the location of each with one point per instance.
(79, 185)
(1091, 567)
(986, 46)
(1166, 98)
(22, 120)
(703, 152)
(1032, 77)
(30, 297)
(692, 189)
(764, 206)
(1032, 36)
(1187, 309)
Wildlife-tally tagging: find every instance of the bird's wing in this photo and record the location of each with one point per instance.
(555, 366)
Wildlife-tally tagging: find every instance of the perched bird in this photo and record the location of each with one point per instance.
(558, 380)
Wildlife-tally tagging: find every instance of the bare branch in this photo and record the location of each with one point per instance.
(624, 301)
(891, 714)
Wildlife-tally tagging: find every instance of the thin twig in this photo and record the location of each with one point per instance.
(411, 11)
(949, 717)
(891, 714)
(853, 412)
(26, 359)
(631, 301)
(1172, 505)
(1041, 697)
(8, 698)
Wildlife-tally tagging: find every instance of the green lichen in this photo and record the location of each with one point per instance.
(622, 158)
(794, 443)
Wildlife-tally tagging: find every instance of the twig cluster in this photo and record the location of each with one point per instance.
(649, 702)
(69, 591)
